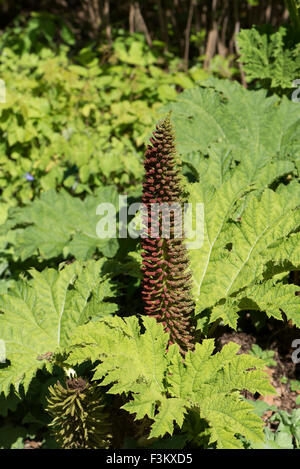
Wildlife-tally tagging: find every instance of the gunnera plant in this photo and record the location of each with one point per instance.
(166, 285)
(79, 417)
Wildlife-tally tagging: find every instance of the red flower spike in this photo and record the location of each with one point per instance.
(166, 286)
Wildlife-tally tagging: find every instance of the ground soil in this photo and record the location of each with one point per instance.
(277, 337)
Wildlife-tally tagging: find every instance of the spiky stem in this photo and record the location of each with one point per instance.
(166, 286)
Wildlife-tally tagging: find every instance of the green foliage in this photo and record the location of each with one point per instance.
(41, 314)
(265, 355)
(272, 57)
(295, 385)
(165, 387)
(11, 437)
(228, 123)
(273, 440)
(250, 219)
(288, 431)
(74, 234)
(77, 118)
(294, 11)
(72, 133)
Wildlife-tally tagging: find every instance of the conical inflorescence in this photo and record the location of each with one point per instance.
(166, 286)
(79, 417)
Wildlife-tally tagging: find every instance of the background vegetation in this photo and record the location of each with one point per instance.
(85, 83)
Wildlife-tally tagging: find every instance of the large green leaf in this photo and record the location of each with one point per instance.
(270, 56)
(248, 213)
(40, 316)
(164, 386)
(58, 224)
(226, 117)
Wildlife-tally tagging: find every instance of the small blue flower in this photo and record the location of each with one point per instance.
(29, 177)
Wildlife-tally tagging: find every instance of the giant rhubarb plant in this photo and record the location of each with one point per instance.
(166, 287)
